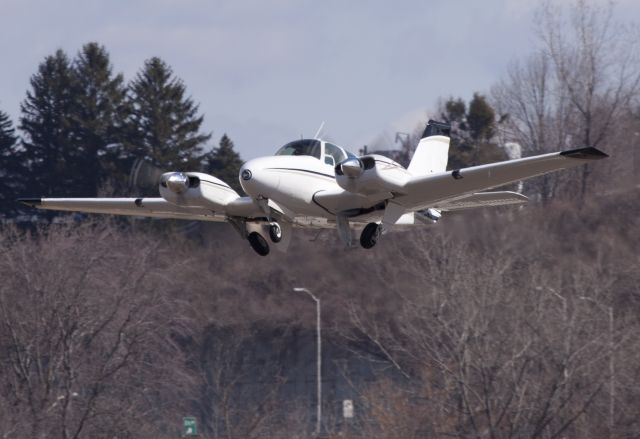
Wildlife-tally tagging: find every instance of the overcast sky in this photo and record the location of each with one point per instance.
(266, 72)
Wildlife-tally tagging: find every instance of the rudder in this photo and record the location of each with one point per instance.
(432, 153)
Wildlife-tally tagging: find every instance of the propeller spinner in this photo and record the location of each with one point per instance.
(176, 182)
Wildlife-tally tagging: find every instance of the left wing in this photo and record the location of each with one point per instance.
(429, 190)
(144, 207)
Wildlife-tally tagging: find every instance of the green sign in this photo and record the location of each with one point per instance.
(189, 426)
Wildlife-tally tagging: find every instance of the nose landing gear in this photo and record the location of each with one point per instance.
(275, 232)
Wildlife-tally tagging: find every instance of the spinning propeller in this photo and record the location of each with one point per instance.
(144, 177)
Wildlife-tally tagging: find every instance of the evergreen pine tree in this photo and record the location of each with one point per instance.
(455, 113)
(12, 171)
(472, 132)
(481, 119)
(98, 119)
(224, 163)
(46, 123)
(165, 124)
(8, 138)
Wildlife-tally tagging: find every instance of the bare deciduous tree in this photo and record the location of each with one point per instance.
(576, 88)
(82, 326)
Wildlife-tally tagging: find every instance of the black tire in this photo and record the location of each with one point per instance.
(369, 235)
(258, 243)
(275, 233)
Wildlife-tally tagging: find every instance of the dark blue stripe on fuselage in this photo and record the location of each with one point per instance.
(304, 170)
(217, 184)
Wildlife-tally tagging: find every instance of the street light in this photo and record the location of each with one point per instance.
(318, 359)
(609, 311)
(565, 319)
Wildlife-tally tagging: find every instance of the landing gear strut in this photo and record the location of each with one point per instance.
(258, 243)
(370, 235)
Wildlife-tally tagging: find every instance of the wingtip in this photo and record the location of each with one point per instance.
(31, 202)
(589, 153)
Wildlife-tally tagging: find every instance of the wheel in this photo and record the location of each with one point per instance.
(258, 243)
(370, 235)
(275, 232)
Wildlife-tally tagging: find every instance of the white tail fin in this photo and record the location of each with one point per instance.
(432, 152)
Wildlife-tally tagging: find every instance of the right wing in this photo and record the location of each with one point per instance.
(433, 189)
(144, 207)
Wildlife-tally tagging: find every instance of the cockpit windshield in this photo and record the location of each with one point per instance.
(310, 147)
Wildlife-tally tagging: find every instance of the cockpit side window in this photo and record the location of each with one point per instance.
(310, 147)
(335, 152)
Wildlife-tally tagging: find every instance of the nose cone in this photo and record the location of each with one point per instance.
(258, 178)
(245, 176)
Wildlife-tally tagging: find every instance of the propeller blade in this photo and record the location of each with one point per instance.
(144, 175)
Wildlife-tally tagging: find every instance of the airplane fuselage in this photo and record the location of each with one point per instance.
(290, 181)
(315, 178)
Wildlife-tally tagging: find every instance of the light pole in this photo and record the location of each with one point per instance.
(318, 359)
(609, 311)
(565, 319)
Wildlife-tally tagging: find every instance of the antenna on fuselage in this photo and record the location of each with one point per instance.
(319, 131)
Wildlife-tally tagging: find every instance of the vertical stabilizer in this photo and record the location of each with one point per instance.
(432, 152)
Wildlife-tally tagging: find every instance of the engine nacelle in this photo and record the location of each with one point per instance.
(351, 168)
(195, 189)
(371, 174)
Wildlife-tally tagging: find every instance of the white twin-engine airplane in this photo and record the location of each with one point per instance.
(316, 184)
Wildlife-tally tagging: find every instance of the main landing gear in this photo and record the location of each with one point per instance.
(370, 235)
(259, 244)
